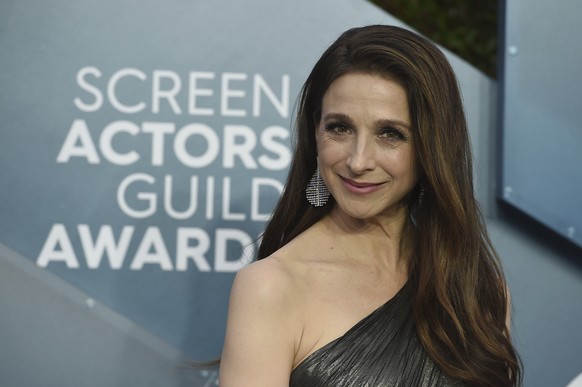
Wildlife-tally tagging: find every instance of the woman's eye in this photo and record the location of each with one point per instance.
(392, 134)
(336, 128)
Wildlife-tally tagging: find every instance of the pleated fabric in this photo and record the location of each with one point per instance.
(381, 350)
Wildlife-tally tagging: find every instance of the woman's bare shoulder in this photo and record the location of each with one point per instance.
(270, 279)
(263, 326)
(280, 277)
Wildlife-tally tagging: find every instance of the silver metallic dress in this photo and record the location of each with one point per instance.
(381, 350)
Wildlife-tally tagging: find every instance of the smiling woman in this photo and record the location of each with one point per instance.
(364, 143)
(392, 282)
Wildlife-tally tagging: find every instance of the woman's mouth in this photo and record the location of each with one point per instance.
(360, 187)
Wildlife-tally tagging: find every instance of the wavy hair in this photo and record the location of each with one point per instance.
(460, 302)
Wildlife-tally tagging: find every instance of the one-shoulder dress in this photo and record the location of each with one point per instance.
(381, 350)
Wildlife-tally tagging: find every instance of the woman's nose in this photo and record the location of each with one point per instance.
(361, 157)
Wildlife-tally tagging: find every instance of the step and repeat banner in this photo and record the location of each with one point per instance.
(143, 148)
(144, 145)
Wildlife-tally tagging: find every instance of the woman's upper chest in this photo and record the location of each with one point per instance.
(334, 300)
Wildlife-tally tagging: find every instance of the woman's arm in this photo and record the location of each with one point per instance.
(261, 328)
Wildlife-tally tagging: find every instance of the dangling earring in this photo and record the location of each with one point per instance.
(414, 208)
(317, 192)
(420, 196)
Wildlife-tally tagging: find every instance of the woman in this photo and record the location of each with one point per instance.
(384, 274)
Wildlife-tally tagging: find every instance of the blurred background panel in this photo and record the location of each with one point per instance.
(541, 113)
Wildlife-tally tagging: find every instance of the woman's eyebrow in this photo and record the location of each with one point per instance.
(338, 117)
(391, 122)
(380, 123)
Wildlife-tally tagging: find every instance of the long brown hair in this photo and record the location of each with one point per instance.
(460, 292)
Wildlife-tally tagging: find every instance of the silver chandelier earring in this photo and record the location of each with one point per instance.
(317, 192)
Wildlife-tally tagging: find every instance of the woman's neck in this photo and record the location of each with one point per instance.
(376, 241)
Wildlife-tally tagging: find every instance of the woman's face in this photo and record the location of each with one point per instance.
(364, 146)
